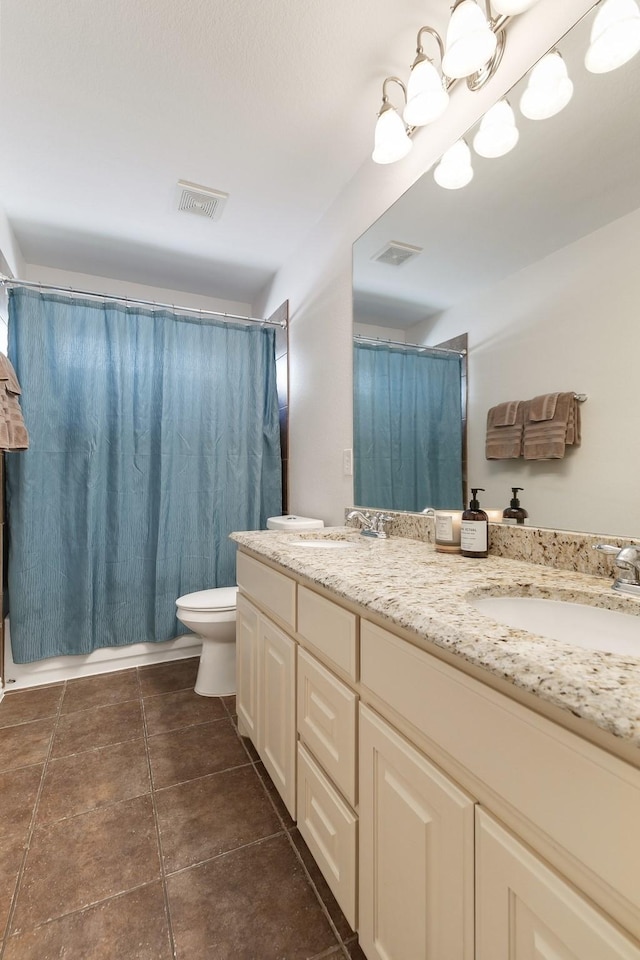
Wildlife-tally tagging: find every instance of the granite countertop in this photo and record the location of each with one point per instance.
(409, 584)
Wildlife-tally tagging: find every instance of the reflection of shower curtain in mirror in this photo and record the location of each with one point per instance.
(153, 435)
(407, 429)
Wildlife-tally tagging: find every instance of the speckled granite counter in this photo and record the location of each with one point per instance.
(410, 585)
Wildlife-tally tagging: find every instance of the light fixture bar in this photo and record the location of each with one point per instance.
(393, 141)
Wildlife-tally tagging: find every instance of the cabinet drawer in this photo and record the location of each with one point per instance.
(329, 828)
(270, 589)
(329, 628)
(575, 793)
(327, 711)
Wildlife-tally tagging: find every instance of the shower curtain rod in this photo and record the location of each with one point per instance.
(413, 346)
(74, 292)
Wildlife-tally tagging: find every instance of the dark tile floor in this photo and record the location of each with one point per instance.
(136, 824)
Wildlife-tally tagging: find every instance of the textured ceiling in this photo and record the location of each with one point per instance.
(106, 105)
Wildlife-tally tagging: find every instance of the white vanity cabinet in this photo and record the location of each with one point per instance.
(416, 852)
(569, 853)
(450, 821)
(266, 672)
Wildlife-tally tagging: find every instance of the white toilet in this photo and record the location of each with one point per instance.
(211, 614)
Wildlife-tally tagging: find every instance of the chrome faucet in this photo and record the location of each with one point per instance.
(627, 560)
(373, 524)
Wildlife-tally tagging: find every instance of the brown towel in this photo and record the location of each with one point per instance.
(553, 424)
(13, 433)
(505, 424)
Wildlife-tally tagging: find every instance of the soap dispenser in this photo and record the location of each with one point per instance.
(474, 530)
(514, 513)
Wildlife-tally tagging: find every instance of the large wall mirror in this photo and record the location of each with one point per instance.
(537, 260)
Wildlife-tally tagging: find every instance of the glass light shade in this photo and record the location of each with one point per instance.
(549, 89)
(497, 133)
(427, 98)
(615, 36)
(470, 41)
(454, 170)
(391, 142)
(511, 8)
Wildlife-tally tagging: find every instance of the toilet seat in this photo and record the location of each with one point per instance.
(219, 599)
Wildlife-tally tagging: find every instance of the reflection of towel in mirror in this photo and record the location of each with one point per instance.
(553, 423)
(504, 431)
(13, 433)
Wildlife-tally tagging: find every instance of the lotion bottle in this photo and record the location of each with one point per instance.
(474, 531)
(514, 513)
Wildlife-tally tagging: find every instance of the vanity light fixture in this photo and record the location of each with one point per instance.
(391, 139)
(549, 89)
(454, 170)
(427, 97)
(473, 50)
(497, 134)
(615, 36)
(471, 41)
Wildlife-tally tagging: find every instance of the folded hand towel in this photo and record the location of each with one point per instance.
(505, 414)
(543, 407)
(553, 423)
(504, 431)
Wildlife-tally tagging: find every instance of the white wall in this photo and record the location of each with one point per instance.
(123, 288)
(379, 333)
(317, 281)
(10, 252)
(11, 265)
(568, 322)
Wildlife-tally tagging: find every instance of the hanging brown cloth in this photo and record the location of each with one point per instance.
(13, 433)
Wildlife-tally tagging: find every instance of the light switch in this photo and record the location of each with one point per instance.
(347, 462)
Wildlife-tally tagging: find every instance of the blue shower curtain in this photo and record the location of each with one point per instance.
(407, 428)
(153, 436)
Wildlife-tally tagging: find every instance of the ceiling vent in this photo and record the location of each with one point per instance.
(396, 253)
(203, 201)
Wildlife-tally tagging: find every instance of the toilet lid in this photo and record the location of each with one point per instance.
(221, 598)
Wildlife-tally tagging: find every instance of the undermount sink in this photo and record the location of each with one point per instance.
(323, 544)
(593, 628)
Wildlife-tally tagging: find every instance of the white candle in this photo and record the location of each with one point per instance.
(448, 531)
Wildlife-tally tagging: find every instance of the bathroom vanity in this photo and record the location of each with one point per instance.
(468, 790)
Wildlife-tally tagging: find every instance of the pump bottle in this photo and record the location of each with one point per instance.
(514, 513)
(474, 531)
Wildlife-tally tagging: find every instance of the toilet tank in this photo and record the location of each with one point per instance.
(294, 523)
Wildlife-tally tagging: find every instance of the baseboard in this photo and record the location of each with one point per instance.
(106, 660)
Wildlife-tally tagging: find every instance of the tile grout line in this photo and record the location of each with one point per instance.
(225, 853)
(32, 825)
(325, 909)
(287, 831)
(163, 877)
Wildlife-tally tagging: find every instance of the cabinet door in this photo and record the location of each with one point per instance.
(277, 710)
(416, 853)
(526, 912)
(247, 668)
